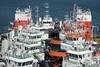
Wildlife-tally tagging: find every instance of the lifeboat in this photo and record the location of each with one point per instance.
(71, 28)
(73, 35)
(57, 54)
(68, 27)
(55, 45)
(55, 42)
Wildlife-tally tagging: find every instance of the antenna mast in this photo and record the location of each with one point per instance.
(74, 12)
(46, 9)
(37, 15)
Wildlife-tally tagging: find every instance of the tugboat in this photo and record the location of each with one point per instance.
(24, 46)
(44, 24)
(77, 40)
(52, 44)
(55, 54)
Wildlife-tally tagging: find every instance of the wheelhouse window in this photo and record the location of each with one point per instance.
(23, 64)
(73, 56)
(39, 36)
(19, 64)
(34, 48)
(26, 48)
(32, 37)
(80, 56)
(75, 39)
(27, 63)
(46, 22)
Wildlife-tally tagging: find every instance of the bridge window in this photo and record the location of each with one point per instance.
(27, 63)
(26, 48)
(46, 22)
(23, 64)
(19, 64)
(39, 36)
(80, 56)
(73, 56)
(32, 37)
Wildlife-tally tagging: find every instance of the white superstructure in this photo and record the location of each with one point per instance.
(75, 43)
(79, 53)
(44, 24)
(23, 17)
(83, 15)
(24, 47)
(23, 14)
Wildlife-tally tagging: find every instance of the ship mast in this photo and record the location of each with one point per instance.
(74, 12)
(46, 9)
(66, 16)
(47, 17)
(37, 15)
